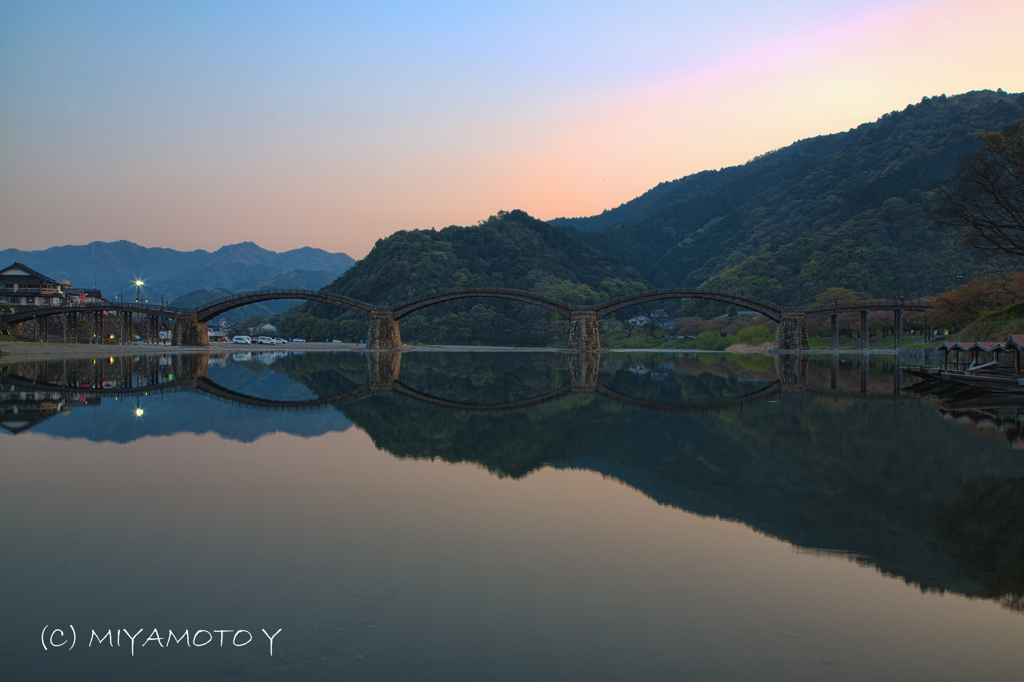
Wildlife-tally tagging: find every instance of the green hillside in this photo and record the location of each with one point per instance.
(856, 218)
(509, 250)
(730, 186)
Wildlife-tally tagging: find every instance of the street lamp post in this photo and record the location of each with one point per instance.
(138, 291)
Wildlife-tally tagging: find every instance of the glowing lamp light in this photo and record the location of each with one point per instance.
(138, 411)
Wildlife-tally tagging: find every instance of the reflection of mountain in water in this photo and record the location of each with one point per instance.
(258, 380)
(165, 413)
(889, 482)
(173, 413)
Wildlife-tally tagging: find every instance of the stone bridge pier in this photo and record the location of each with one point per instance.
(583, 331)
(792, 371)
(189, 331)
(792, 332)
(189, 368)
(382, 370)
(383, 333)
(583, 371)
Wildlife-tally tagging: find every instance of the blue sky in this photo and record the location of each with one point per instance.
(333, 124)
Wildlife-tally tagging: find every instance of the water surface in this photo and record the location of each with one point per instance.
(507, 516)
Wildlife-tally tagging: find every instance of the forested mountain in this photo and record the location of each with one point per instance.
(857, 217)
(846, 210)
(510, 250)
(114, 266)
(742, 181)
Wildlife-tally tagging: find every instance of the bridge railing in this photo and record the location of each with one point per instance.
(500, 292)
(303, 294)
(691, 292)
(871, 304)
(95, 305)
(130, 305)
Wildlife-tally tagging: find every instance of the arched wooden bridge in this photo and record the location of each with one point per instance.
(383, 333)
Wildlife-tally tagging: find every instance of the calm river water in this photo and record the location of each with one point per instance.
(504, 516)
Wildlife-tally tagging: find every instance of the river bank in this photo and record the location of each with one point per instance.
(29, 351)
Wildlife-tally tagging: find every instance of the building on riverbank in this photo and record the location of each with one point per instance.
(21, 285)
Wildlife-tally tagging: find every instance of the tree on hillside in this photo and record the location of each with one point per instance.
(966, 303)
(849, 323)
(836, 295)
(250, 326)
(984, 200)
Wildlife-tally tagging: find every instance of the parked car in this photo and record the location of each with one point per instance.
(298, 340)
(335, 341)
(265, 340)
(242, 339)
(279, 340)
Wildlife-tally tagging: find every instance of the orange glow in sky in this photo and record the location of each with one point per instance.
(334, 128)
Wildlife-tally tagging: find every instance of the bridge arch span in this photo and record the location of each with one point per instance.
(214, 308)
(766, 308)
(560, 307)
(214, 390)
(411, 393)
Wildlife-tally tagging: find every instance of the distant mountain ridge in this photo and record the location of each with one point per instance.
(766, 166)
(848, 210)
(113, 267)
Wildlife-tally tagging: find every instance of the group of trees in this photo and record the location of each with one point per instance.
(508, 250)
(250, 326)
(965, 304)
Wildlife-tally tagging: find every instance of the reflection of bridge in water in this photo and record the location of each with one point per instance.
(62, 382)
(383, 332)
(382, 378)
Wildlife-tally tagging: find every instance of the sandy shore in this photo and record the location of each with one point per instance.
(27, 351)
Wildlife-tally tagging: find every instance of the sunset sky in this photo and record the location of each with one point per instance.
(332, 124)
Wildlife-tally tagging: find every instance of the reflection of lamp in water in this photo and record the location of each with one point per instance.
(138, 408)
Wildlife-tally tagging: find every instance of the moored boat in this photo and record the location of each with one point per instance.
(987, 382)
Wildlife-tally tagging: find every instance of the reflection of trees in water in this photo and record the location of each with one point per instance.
(484, 378)
(325, 374)
(879, 480)
(984, 527)
(869, 480)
